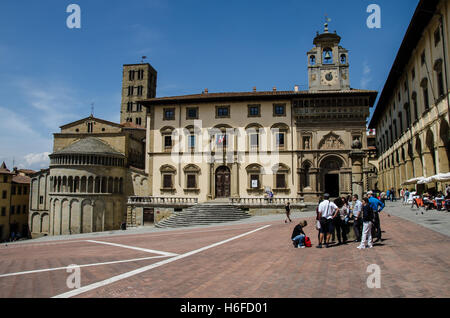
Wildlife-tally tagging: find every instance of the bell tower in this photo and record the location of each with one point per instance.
(328, 67)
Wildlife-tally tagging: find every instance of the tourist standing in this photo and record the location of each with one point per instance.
(367, 217)
(339, 220)
(377, 206)
(402, 194)
(328, 211)
(357, 217)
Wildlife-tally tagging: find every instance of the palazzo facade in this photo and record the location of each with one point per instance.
(239, 145)
(412, 115)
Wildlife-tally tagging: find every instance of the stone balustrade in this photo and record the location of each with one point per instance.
(266, 201)
(162, 201)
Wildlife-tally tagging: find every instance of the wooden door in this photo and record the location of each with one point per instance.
(223, 182)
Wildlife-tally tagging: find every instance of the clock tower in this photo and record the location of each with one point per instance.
(328, 67)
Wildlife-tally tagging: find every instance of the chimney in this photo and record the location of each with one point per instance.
(296, 88)
(274, 89)
(254, 89)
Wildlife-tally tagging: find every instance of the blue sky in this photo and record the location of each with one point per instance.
(49, 74)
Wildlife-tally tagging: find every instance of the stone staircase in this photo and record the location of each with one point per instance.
(204, 214)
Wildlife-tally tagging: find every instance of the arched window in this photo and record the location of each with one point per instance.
(312, 60)
(327, 56)
(343, 59)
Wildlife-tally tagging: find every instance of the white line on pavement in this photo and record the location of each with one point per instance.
(147, 268)
(135, 248)
(86, 265)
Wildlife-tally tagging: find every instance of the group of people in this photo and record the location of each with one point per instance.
(334, 217)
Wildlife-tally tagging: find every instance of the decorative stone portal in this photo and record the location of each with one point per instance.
(331, 176)
(223, 182)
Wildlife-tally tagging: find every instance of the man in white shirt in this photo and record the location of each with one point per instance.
(328, 211)
(357, 217)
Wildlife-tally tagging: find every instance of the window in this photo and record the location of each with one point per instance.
(5, 179)
(254, 110)
(191, 141)
(19, 190)
(281, 181)
(191, 176)
(280, 140)
(4, 194)
(130, 90)
(18, 209)
(254, 181)
(191, 113)
(13, 209)
(191, 181)
(90, 127)
(167, 181)
(24, 211)
(254, 141)
(168, 142)
(223, 112)
(426, 99)
(437, 36)
(400, 121)
(279, 110)
(140, 74)
(41, 199)
(440, 80)
(139, 121)
(416, 110)
(13, 190)
(138, 107)
(25, 190)
(129, 107)
(169, 113)
(131, 75)
(3, 211)
(422, 58)
(140, 90)
(413, 74)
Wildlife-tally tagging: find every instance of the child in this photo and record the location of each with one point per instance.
(368, 216)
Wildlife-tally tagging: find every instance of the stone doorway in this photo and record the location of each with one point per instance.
(149, 217)
(332, 185)
(223, 182)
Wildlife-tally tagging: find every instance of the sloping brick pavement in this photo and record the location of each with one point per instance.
(414, 262)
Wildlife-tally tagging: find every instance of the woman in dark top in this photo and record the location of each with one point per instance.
(288, 213)
(298, 236)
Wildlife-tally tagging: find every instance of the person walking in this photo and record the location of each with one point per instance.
(328, 211)
(288, 213)
(367, 217)
(377, 206)
(298, 235)
(357, 217)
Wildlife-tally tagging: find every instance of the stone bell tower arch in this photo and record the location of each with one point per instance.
(328, 64)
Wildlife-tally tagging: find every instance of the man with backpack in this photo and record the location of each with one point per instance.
(367, 217)
(377, 206)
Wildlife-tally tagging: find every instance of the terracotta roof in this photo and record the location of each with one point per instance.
(27, 171)
(21, 179)
(274, 95)
(90, 118)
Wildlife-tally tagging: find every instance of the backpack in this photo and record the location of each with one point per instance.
(308, 242)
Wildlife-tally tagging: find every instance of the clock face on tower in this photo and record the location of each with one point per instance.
(329, 77)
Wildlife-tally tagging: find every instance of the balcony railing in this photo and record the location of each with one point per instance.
(162, 201)
(266, 201)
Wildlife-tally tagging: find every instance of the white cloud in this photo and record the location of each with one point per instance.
(38, 159)
(18, 140)
(366, 78)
